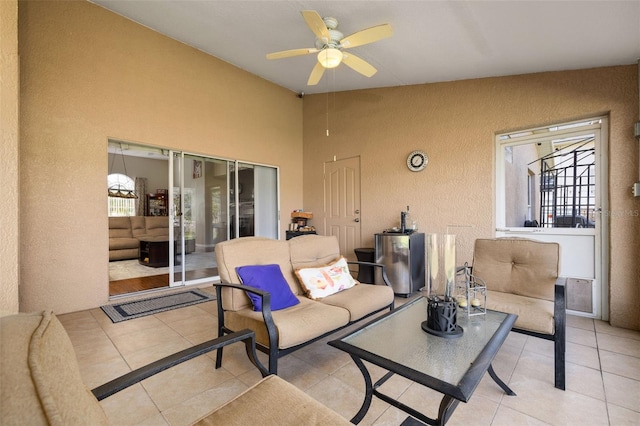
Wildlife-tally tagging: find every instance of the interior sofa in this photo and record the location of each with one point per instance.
(282, 331)
(125, 233)
(40, 382)
(522, 278)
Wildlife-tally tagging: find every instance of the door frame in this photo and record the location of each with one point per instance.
(600, 291)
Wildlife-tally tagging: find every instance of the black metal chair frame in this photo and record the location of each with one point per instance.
(559, 336)
(116, 385)
(272, 350)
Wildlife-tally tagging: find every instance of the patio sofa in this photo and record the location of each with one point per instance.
(41, 384)
(282, 331)
(125, 233)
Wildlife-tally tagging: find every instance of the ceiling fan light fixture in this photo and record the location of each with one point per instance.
(330, 58)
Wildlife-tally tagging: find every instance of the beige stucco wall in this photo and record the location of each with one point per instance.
(88, 75)
(9, 218)
(456, 123)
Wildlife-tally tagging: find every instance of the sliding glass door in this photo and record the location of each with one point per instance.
(215, 200)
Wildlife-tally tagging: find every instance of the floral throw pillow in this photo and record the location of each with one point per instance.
(326, 280)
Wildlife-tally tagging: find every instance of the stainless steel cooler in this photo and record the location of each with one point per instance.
(403, 256)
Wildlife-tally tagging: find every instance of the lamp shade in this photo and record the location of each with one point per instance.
(330, 58)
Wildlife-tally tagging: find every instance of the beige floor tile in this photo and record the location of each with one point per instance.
(618, 344)
(582, 355)
(300, 373)
(182, 313)
(236, 361)
(129, 407)
(195, 324)
(517, 340)
(182, 382)
(392, 416)
(622, 391)
(622, 365)
(99, 373)
(584, 380)
(581, 337)
(539, 399)
(506, 416)
(605, 328)
(539, 346)
(343, 399)
(580, 322)
(144, 338)
(619, 416)
(131, 326)
(150, 354)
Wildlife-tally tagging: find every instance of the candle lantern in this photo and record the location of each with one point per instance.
(441, 286)
(471, 293)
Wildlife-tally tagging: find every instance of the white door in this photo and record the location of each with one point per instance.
(550, 186)
(342, 203)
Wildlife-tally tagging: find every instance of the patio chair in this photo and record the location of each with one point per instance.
(521, 276)
(40, 382)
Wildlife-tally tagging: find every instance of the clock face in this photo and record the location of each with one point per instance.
(417, 161)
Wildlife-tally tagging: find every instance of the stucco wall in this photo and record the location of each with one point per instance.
(456, 123)
(9, 222)
(88, 75)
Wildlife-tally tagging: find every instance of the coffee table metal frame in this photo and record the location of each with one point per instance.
(416, 355)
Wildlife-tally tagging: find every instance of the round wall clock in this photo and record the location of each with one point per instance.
(417, 161)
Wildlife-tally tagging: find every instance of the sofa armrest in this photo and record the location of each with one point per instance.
(266, 308)
(377, 265)
(135, 376)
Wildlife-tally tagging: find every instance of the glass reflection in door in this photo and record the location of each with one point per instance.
(202, 221)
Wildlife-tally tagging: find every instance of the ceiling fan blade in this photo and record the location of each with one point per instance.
(367, 36)
(317, 25)
(316, 74)
(359, 65)
(292, 52)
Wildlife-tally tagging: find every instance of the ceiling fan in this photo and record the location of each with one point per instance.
(330, 44)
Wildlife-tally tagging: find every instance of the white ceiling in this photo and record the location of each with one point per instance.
(433, 41)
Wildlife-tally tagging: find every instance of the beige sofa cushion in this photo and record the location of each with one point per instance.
(533, 314)
(262, 404)
(119, 227)
(40, 380)
(517, 265)
(310, 251)
(157, 226)
(138, 226)
(251, 251)
(297, 324)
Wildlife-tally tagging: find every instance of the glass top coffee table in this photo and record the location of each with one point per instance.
(451, 366)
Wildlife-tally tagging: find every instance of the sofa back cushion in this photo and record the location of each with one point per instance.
(157, 226)
(310, 251)
(138, 226)
(40, 382)
(246, 251)
(517, 265)
(119, 227)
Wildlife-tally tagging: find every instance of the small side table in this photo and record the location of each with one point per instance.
(154, 251)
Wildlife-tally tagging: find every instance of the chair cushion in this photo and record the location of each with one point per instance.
(533, 314)
(273, 401)
(517, 265)
(268, 278)
(326, 280)
(40, 382)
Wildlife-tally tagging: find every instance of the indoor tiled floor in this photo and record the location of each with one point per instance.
(603, 374)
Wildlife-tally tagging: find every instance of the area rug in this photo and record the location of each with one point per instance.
(140, 308)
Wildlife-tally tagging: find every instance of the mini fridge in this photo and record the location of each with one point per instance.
(403, 256)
